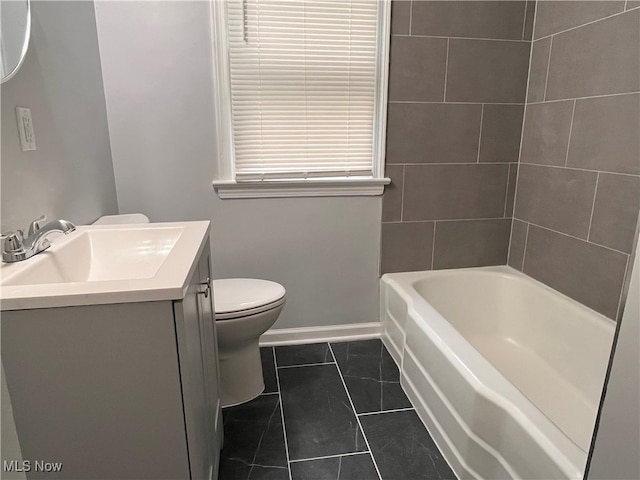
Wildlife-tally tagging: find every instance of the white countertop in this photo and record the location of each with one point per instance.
(126, 281)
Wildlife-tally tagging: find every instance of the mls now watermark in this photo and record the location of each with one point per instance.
(29, 466)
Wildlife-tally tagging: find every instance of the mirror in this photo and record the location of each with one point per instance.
(15, 26)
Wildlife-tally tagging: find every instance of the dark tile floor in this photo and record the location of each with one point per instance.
(345, 417)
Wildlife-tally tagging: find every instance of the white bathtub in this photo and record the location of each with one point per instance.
(505, 372)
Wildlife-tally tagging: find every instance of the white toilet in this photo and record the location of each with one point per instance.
(245, 309)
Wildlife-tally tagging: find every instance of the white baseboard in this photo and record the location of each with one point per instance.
(328, 333)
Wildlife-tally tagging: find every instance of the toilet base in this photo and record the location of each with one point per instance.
(241, 377)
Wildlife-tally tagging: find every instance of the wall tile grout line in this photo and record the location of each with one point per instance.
(479, 39)
(620, 299)
(546, 80)
(585, 24)
(338, 455)
(364, 435)
(404, 169)
(506, 196)
(424, 102)
(284, 367)
(284, 428)
(573, 114)
(446, 72)
(608, 172)
(593, 206)
(417, 164)
(524, 116)
(524, 19)
(572, 236)
(446, 220)
(410, 17)
(586, 97)
(433, 246)
(480, 134)
(524, 252)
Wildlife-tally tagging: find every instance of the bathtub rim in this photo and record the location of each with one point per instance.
(494, 386)
(408, 278)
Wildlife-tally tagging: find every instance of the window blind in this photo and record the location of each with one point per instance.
(303, 87)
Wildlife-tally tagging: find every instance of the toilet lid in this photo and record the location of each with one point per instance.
(236, 294)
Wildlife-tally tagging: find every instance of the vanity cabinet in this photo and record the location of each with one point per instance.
(120, 390)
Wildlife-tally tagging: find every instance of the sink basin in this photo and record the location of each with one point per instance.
(106, 264)
(100, 255)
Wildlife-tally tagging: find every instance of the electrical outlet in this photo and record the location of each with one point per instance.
(25, 128)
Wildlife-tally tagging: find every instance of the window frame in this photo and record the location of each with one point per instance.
(224, 179)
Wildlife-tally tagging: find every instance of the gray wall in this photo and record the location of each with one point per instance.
(70, 175)
(157, 66)
(578, 189)
(457, 87)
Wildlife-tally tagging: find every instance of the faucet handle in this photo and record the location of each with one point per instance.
(36, 224)
(12, 242)
(13, 247)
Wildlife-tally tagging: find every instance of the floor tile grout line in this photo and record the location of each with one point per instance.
(305, 365)
(337, 455)
(381, 412)
(284, 428)
(364, 435)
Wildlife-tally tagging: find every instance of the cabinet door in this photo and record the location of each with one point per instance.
(209, 343)
(198, 366)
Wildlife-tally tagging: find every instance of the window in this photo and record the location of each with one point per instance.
(301, 96)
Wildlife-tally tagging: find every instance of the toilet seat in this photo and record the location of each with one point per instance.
(241, 297)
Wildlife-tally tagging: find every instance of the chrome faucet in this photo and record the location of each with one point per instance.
(16, 248)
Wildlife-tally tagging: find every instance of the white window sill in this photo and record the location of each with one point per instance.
(301, 188)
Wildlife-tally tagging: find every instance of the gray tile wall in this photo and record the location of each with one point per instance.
(458, 79)
(578, 189)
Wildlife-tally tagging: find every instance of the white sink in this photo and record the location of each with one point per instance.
(99, 255)
(105, 264)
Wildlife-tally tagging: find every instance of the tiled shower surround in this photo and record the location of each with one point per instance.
(578, 191)
(459, 82)
(453, 131)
